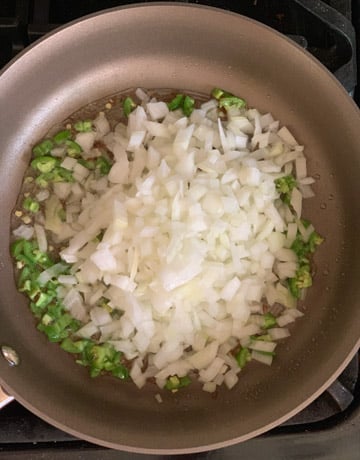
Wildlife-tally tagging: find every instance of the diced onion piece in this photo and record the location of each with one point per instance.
(157, 110)
(278, 333)
(262, 358)
(261, 345)
(99, 316)
(231, 379)
(24, 231)
(85, 140)
(209, 387)
(41, 237)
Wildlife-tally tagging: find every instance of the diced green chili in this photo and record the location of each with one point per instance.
(43, 180)
(314, 240)
(31, 205)
(89, 164)
(62, 175)
(44, 164)
(83, 126)
(17, 247)
(285, 185)
(176, 103)
(62, 136)
(58, 328)
(121, 372)
(128, 106)
(103, 165)
(232, 101)
(43, 300)
(218, 93)
(243, 357)
(102, 357)
(188, 106)
(43, 148)
(74, 347)
(174, 383)
(269, 321)
(58, 174)
(302, 280)
(73, 148)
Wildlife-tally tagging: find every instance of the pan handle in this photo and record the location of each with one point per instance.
(342, 25)
(5, 398)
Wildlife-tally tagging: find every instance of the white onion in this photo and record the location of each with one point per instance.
(24, 231)
(210, 387)
(157, 110)
(85, 140)
(99, 316)
(194, 238)
(231, 379)
(262, 358)
(277, 333)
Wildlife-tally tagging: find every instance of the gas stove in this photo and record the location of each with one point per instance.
(330, 427)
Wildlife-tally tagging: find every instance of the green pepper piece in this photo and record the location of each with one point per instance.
(62, 175)
(43, 148)
(103, 165)
(285, 185)
(74, 347)
(69, 346)
(293, 288)
(302, 280)
(44, 164)
(58, 329)
(232, 101)
(24, 275)
(188, 106)
(31, 205)
(218, 93)
(174, 383)
(43, 300)
(121, 372)
(28, 250)
(73, 148)
(62, 136)
(43, 180)
(314, 240)
(42, 259)
(243, 357)
(83, 126)
(176, 103)
(102, 357)
(89, 164)
(128, 106)
(269, 321)
(17, 247)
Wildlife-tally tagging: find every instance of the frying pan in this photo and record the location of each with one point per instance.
(191, 48)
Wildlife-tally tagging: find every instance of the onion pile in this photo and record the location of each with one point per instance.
(186, 237)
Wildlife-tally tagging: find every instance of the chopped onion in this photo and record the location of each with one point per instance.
(185, 237)
(24, 231)
(41, 237)
(262, 358)
(231, 379)
(210, 387)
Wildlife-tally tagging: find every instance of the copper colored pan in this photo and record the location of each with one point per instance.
(192, 48)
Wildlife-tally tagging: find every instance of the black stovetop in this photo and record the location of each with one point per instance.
(330, 427)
